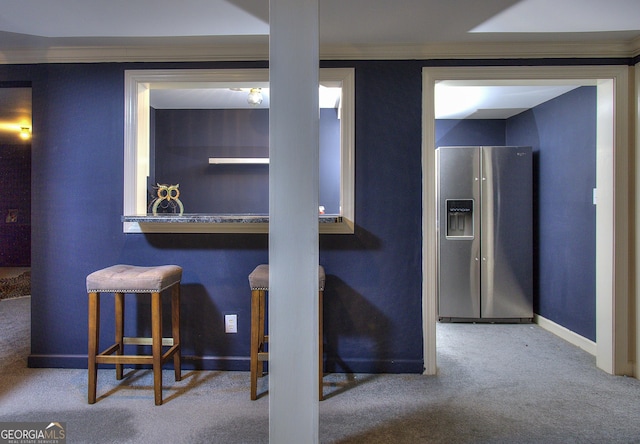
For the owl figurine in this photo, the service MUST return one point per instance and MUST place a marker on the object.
(167, 198)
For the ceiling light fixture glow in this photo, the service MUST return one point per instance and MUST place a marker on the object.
(25, 133)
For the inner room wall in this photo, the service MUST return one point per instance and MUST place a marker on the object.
(15, 205)
(185, 139)
(562, 133)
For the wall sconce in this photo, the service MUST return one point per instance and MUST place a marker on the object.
(25, 133)
(255, 97)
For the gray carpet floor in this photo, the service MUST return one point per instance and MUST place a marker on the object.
(496, 384)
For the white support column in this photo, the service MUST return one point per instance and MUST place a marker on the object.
(293, 221)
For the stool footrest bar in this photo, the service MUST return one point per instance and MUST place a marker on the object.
(124, 359)
(107, 356)
(166, 342)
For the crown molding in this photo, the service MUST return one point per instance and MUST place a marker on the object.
(635, 45)
(485, 50)
(142, 53)
(260, 51)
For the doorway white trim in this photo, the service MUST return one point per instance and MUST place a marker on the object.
(612, 211)
(636, 125)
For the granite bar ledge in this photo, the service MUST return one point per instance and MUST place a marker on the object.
(220, 223)
(215, 219)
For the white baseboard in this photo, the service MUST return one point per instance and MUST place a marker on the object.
(573, 338)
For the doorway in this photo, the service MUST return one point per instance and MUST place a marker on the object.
(612, 153)
(15, 174)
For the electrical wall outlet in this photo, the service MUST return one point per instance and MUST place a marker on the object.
(231, 323)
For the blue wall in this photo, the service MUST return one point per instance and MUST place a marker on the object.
(186, 138)
(15, 198)
(372, 301)
(330, 161)
(471, 132)
(373, 294)
(374, 308)
(562, 133)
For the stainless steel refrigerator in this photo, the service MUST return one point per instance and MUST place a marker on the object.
(485, 217)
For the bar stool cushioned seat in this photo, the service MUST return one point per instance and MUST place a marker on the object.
(259, 283)
(122, 279)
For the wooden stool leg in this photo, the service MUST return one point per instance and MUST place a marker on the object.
(175, 329)
(156, 345)
(320, 348)
(94, 340)
(255, 344)
(262, 337)
(119, 314)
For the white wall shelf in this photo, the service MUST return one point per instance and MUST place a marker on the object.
(238, 160)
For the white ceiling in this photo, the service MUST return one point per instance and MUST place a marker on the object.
(233, 96)
(494, 100)
(37, 25)
(95, 22)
